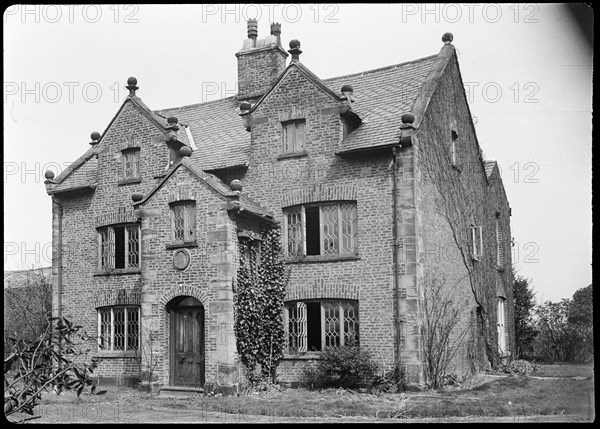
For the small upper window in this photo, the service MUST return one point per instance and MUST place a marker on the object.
(131, 163)
(499, 245)
(454, 148)
(476, 242)
(183, 225)
(293, 136)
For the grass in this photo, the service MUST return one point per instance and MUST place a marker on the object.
(488, 397)
(564, 370)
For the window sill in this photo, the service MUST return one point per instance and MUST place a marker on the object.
(118, 272)
(117, 354)
(292, 155)
(320, 258)
(302, 356)
(181, 245)
(131, 181)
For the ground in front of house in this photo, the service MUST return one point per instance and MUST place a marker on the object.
(558, 393)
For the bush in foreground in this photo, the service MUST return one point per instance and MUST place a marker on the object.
(346, 367)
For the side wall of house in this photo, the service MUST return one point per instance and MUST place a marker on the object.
(452, 198)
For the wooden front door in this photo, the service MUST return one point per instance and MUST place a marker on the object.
(187, 343)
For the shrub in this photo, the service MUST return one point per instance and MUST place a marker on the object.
(521, 367)
(345, 367)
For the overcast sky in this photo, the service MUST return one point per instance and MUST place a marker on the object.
(527, 69)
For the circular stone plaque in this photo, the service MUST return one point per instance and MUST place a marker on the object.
(181, 259)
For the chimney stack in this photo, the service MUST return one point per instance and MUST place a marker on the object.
(260, 62)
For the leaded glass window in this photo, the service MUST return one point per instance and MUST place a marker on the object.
(293, 136)
(313, 325)
(131, 163)
(119, 247)
(183, 221)
(321, 229)
(118, 328)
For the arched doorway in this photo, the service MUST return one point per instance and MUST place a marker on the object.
(186, 342)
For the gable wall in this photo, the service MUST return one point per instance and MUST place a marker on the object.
(81, 284)
(272, 182)
(213, 263)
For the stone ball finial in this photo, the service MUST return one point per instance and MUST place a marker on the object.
(49, 174)
(294, 43)
(245, 106)
(132, 81)
(447, 38)
(137, 197)
(408, 118)
(172, 120)
(185, 151)
(95, 136)
(236, 185)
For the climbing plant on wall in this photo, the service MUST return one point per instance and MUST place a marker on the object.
(260, 291)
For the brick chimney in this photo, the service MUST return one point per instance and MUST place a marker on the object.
(260, 61)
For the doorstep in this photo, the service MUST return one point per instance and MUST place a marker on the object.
(180, 391)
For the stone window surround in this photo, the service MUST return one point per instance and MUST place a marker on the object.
(313, 354)
(119, 271)
(321, 257)
(189, 215)
(126, 179)
(476, 236)
(127, 325)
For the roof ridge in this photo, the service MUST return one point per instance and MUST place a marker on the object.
(380, 68)
(190, 106)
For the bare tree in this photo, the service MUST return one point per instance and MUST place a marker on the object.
(27, 304)
(148, 353)
(442, 334)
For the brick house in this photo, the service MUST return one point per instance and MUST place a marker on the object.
(376, 178)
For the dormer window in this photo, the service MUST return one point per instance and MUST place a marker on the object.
(293, 136)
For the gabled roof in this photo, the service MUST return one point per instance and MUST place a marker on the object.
(83, 177)
(217, 130)
(307, 73)
(245, 202)
(381, 97)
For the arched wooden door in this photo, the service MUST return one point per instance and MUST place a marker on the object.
(186, 342)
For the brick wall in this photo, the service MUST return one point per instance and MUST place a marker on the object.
(209, 277)
(258, 68)
(322, 176)
(81, 282)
